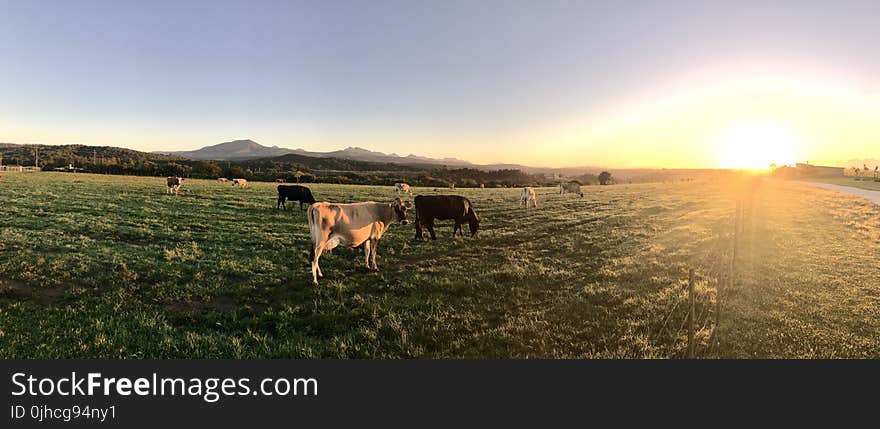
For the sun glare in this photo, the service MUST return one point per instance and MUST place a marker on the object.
(756, 145)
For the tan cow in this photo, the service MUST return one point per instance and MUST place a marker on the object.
(222, 179)
(403, 188)
(174, 184)
(351, 225)
(528, 196)
(240, 182)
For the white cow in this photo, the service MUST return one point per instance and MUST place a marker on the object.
(571, 188)
(403, 188)
(351, 225)
(528, 196)
(240, 182)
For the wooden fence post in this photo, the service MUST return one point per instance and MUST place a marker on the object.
(691, 314)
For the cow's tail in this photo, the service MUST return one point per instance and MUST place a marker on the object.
(314, 229)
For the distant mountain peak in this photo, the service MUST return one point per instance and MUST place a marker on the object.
(248, 149)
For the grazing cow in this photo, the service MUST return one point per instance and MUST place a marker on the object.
(279, 180)
(294, 193)
(239, 182)
(222, 179)
(571, 188)
(443, 207)
(403, 188)
(351, 225)
(528, 196)
(174, 184)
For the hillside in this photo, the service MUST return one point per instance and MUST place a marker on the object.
(289, 167)
(232, 151)
(350, 165)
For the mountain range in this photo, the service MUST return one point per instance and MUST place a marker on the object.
(248, 149)
(239, 150)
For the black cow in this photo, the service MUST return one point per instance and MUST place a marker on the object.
(294, 193)
(443, 207)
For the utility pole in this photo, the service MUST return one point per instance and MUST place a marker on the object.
(36, 156)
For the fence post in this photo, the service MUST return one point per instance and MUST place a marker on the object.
(737, 220)
(691, 314)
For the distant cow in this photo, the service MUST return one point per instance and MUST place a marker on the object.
(570, 188)
(351, 225)
(444, 207)
(279, 180)
(402, 188)
(528, 196)
(240, 182)
(222, 179)
(294, 193)
(452, 186)
(174, 184)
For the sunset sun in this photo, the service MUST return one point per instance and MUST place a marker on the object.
(756, 145)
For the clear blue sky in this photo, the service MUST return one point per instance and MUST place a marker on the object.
(478, 80)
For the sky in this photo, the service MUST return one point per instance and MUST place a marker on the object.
(550, 83)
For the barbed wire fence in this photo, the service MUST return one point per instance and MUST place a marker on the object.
(700, 314)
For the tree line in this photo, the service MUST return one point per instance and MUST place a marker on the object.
(290, 168)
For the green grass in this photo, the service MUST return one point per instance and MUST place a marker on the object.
(864, 183)
(112, 267)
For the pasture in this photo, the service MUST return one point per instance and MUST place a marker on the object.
(95, 266)
(864, 183)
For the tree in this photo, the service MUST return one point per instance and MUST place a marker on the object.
(604, 178)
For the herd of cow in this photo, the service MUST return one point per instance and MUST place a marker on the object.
(174, 183)
(355, 224)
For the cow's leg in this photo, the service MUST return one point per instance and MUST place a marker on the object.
(418, 229)
(430, 225)
(367, 254)
(375, 247)
(455, 227)
(317, 250)
(316, 254)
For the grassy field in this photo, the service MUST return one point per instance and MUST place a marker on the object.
(112, 267)
(867, 183)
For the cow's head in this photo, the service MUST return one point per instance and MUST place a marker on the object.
(399, 207)
(473, 221)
